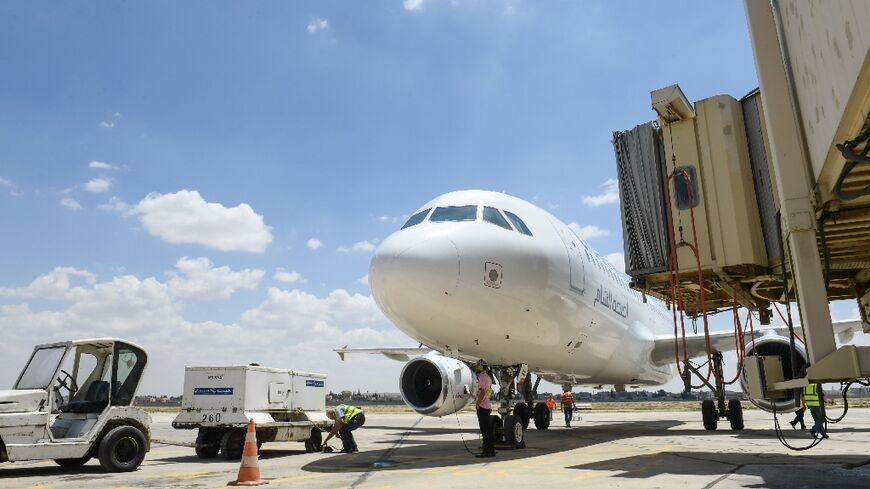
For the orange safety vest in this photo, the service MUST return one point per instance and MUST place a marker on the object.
(567, 399)
(551, 404)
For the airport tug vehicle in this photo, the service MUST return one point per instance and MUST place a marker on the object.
(286, 405)
(73, 402)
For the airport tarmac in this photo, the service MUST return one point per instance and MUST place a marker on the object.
(604, 449)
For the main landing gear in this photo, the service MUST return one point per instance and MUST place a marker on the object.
(513, 418)
(712, 411)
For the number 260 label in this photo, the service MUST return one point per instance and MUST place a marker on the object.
(211, 418)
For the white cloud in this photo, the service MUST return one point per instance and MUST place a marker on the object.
(98, 185)
(197, 278)
(282, 275)
(115, 204)
(55, 284)
(617, 260)
(317, 25)
(360, 246)
(110, 122)
(286, 324)
(101, 165)
(70, 203)
(364, 280)
(610, 194)
(314, 243)
(295, 309)
(393, 219)
(185, 217)
(412, 4)
(13, 189)
(588, 232)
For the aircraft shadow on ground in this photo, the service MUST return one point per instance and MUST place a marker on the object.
(417, 448)
(779, 470)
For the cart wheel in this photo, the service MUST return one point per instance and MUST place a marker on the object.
(232, 444)
(315, 442)
(208, 443)
(122, 449)
(72, 462)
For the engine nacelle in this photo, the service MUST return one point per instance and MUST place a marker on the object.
(436, 385)
(776, 345)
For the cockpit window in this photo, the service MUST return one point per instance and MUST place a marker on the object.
(518, 223)
(491, 214)
(416, 218)
(454, 213)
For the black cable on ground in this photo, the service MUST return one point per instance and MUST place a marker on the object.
(846, 387)
(816, 438)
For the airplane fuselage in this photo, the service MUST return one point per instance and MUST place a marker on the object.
(486, 275)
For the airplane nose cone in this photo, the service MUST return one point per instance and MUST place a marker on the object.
(403, 275)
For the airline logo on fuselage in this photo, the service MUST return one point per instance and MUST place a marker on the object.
(605, 298)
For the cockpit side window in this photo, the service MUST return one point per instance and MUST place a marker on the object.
(518, 223)
(454, 213)
(491, 214)
(417, 218)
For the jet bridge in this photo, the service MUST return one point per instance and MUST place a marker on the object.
(763, 199)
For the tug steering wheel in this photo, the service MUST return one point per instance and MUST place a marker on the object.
(67, 382)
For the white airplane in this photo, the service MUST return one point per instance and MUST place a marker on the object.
(484, 275)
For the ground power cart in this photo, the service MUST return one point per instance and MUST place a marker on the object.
(285, 405)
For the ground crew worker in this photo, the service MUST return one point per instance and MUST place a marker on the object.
(484, 408)
(812, 398)
(568, 405)
(347, 418)
(799, 414)
(551, 406)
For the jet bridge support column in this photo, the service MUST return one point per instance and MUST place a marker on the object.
(793, 178)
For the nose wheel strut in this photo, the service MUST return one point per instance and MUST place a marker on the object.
(712, 411)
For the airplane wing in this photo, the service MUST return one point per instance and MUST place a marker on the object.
(722, 341)
(398, 354)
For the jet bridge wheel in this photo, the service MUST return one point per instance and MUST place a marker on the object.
(709, 414)
(735, 414)
(542, 416)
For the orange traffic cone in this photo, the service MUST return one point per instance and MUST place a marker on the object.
(249, 472)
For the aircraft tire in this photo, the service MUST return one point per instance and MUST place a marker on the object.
(709, 414)
(521, 410)
(735, 414)
(542, 416)
(514, 433)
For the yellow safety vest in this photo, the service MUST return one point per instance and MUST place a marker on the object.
(350, 412)
(811, 395)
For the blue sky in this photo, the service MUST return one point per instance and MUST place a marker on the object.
(166, 165)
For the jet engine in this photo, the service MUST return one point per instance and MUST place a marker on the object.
(776, 345)
(436, 385)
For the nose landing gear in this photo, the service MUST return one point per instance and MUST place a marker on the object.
(712, 411)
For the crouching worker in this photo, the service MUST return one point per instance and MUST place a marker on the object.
(347, 419)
